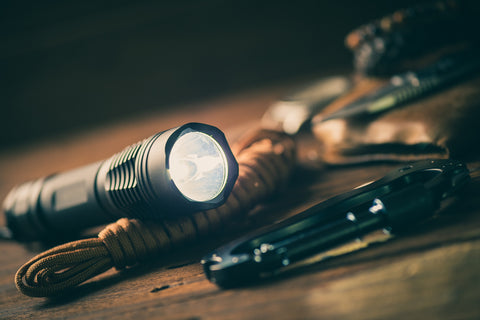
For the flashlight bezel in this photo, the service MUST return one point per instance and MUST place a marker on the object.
(159, 186)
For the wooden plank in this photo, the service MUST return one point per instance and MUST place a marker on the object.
(439, 284)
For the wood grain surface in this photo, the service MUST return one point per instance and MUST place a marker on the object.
(432, 272)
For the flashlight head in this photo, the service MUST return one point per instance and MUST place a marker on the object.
(199, 171)
(176, 172)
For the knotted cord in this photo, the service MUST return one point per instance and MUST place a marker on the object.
(265, 162)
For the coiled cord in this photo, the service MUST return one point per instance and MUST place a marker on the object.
(265, 160)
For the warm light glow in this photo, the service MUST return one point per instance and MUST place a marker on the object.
(198, 166)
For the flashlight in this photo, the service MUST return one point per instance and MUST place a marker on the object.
(172, 173)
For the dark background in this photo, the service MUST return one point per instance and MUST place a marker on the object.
(66, 66)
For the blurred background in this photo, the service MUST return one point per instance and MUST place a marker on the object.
(67, 66)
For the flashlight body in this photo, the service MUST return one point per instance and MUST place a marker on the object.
(133, 183)
(60, 203)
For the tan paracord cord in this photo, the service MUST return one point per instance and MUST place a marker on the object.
(265, 162)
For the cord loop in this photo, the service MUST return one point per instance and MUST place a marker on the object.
(265, 161)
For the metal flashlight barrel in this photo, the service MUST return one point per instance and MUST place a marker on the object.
(134, 183)
(60, 203)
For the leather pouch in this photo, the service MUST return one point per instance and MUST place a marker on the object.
(441, 125)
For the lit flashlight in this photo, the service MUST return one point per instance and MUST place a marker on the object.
(176, 172)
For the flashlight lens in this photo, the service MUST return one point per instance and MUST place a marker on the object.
(198, 166)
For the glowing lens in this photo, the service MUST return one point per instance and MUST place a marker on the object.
(198, 166)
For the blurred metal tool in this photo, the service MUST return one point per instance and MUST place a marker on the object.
(402, 198)
(411, 85)
(292, 112)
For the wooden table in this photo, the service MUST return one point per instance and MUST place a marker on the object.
(430, 273)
